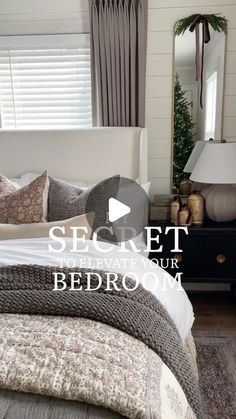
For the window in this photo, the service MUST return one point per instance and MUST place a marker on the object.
(211, 96)
(45, 82)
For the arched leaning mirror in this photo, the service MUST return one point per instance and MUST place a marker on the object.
(199, 67)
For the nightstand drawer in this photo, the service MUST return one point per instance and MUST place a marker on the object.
(204, 257)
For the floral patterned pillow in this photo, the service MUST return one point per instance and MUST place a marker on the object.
(24, 205)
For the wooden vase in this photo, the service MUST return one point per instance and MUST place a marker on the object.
(196, 206)
(175, 207)
(185, 187)
(185, 217)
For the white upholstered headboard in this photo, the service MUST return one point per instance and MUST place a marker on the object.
(87, 155)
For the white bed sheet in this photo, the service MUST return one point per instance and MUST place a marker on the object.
(35, 251)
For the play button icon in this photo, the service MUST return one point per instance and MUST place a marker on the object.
(117, 210)
(121, 208)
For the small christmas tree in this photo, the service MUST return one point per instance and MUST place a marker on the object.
(183, 137)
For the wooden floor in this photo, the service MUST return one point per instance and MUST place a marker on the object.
(214, 311)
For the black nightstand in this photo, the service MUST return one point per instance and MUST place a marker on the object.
(209, 252)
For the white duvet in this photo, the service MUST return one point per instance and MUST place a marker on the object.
(167, 291)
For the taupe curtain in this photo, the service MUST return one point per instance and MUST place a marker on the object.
(118, 61)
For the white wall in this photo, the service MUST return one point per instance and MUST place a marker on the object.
(163, 15)
(68, 16)
(43, 16)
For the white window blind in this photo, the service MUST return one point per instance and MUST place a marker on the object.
(45, 82)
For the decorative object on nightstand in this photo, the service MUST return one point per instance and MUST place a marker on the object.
(217, 165)
(175, 208)
(185, 186)
(185, 216)
(196, 207)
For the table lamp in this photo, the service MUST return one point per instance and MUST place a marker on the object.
(196, 152)
(217, 166)
(194, 156)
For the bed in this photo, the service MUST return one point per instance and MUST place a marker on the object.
(89, 355)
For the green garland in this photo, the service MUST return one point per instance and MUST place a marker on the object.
(218, 23)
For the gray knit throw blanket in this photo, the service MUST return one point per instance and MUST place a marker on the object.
(28, 289)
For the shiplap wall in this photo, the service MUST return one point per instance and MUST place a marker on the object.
(68, 16)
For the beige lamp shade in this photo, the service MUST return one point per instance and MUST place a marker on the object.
(216, 164)
(194, 156)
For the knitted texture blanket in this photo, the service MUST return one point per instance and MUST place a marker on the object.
(26, 289)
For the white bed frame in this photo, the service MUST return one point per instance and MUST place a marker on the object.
(87, 155)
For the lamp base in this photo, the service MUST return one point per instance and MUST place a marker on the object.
(220, 202)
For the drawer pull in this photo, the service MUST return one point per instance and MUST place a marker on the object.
(178, 257)
(221, 258)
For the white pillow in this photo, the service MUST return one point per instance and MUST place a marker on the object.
(37, 230)
(24, 179)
